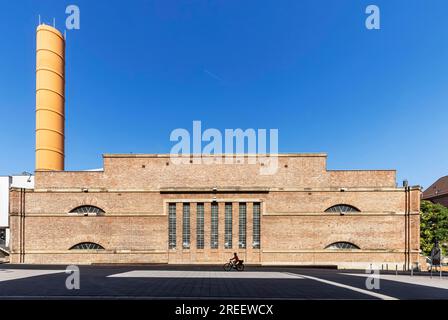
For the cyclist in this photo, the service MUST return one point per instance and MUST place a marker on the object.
(235, 260)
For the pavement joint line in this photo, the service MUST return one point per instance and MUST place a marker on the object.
(16, 274)
(337, 284)
(434, 282)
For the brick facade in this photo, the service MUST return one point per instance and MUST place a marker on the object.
(134, 191)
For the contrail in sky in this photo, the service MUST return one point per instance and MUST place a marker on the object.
(212, 75)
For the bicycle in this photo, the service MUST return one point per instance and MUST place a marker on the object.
(230, 265)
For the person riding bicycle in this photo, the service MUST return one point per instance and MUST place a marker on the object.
(234, 263)
(235, 260)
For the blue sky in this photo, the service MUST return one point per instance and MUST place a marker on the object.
(136, 70)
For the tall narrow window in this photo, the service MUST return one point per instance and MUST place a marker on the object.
(2, 237)
(228, 226)
(242, 226)
(186, 227)
(256, 226)
(172, 225)
(214, 227)
(200, 226)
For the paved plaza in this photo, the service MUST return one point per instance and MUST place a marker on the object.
(211, 282)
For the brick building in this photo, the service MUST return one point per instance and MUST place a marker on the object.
(144, 209)
(147, 209)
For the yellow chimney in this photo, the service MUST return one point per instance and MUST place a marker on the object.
(50, 98)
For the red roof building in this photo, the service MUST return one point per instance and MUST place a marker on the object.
(438, 192)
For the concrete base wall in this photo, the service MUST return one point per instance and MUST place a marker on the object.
(391, 262)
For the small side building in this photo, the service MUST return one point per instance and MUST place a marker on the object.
(6, 183)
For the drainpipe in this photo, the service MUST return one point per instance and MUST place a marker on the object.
(406, 229)
(409, 227)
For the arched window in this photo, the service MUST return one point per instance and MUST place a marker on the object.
(87, 210)
(342, 208)
(87, 246)
(342, 246)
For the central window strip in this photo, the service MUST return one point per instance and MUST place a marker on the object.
(200, 226)
(172, 225)
(214, 227)
(228, 226)
(186, 227)
(242, 226)
(256, 226)
(214, 234)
